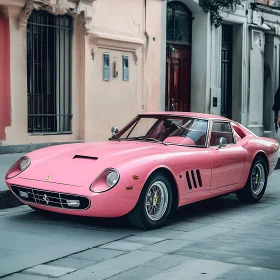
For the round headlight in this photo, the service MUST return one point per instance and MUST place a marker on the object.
(18, 167)
(112, 178)
(24, 163)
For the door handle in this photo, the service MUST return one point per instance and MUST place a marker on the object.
(172, 104)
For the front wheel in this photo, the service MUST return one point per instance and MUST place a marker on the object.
(154, 204)
(256, 183)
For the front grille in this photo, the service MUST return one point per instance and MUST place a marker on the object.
(52, 199)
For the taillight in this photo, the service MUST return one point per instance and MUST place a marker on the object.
(18, 167)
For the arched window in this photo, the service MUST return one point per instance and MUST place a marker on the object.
(179, 23)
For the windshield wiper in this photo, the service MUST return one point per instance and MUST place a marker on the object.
(149, 139)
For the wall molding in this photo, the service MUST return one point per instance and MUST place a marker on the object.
(61, 7)
(114, 42)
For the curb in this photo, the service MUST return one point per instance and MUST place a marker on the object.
(8, 200)
(278, 164)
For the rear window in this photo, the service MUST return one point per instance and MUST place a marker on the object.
(239, 131)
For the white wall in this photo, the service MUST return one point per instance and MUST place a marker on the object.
(200, 70)
(255, 112)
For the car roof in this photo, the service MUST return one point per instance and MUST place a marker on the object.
(188, 114)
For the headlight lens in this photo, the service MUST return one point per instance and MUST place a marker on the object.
(105, 181)
(25, 162)
(112, 178)
(18, 167)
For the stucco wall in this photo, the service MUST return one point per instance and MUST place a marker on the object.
(255, 114)
(5, 99)
(17, 133)
(117, 28)
(121, 32)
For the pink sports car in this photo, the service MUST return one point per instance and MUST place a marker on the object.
(155, 164)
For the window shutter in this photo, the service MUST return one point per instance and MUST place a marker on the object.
(125, 68)
(106, 67)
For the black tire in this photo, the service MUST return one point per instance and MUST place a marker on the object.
(247, 194)
(139, 216)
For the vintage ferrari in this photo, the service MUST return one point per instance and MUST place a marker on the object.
(155, 164)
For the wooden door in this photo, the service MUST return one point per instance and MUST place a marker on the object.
(178, 78)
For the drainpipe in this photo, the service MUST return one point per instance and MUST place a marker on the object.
(146, 33)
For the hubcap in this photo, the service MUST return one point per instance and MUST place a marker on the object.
(258, 179)
(156, 200)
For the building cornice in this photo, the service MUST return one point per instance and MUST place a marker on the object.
(58, 7)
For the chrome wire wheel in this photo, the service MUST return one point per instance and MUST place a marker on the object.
(258, 179)
(156, 200)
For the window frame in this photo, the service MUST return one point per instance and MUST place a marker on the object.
(134, 122)
(210, 132)
(106, 55)
(61, 98)
(171, 8)
(125, 57)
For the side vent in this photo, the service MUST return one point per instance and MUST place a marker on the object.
(194, 180)
(189, 180)
(199, 177)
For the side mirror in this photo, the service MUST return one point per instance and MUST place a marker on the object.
(114, 130)
(222, 142)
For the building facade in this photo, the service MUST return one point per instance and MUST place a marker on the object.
(77, 67)
(232, 70)
(72, 69)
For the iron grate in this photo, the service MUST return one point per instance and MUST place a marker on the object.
(49, 198)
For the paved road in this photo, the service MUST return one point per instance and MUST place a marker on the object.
(6, 161)
(217, 239)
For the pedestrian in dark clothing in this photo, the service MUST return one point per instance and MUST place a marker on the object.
(276, 109)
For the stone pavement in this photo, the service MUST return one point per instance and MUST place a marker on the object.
(216, 239)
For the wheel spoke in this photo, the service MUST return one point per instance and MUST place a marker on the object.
(156, 200)
(258, 179)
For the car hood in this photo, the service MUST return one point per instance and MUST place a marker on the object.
(80, 164)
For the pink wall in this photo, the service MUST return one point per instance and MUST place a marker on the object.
(5, 98)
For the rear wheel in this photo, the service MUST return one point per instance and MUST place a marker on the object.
(256, 184)
(154, 204)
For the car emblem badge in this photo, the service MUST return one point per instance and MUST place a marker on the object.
(45, 198)
(48, 178)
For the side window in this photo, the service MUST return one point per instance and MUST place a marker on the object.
(221, 129)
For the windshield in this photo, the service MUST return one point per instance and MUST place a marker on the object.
(169, 130)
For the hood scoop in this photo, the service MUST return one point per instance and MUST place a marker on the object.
(85, 157)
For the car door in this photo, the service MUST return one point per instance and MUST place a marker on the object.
(228, 161)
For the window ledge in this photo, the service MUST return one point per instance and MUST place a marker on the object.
(48, 133)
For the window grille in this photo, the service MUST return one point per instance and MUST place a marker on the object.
(49, 69)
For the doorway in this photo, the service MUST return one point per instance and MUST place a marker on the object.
(226, 71)
(267, 104)
(178, 57)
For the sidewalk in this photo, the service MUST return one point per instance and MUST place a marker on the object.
(7, 199)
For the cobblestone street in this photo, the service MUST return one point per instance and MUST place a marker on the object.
(216, 239)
